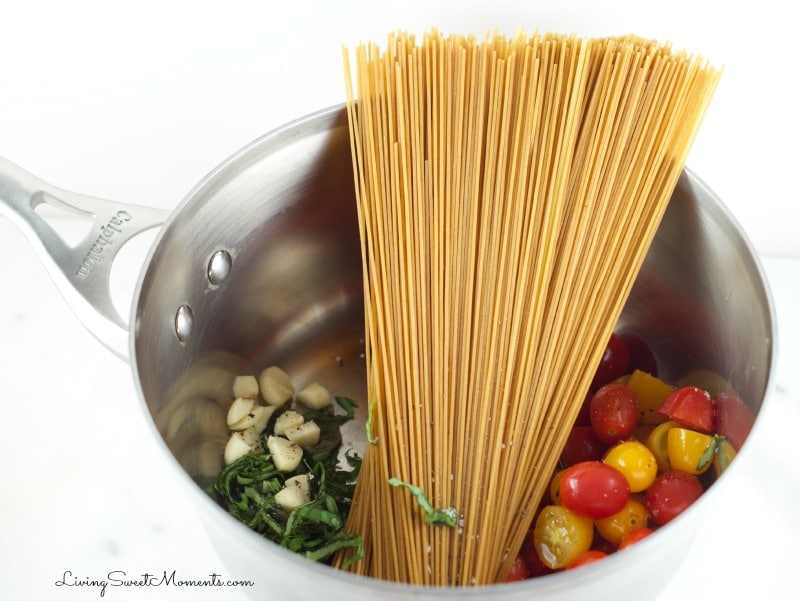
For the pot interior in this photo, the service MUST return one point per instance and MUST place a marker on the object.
(284, 212)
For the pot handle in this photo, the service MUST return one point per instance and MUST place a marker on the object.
(81, 273)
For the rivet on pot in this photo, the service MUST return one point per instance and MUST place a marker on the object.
(184, 323)
(219, 267)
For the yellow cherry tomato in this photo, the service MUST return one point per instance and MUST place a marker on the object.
(636, 462)
(650, 392)
(657, 443)
(631, 517)
(560, 536)
(688, 450)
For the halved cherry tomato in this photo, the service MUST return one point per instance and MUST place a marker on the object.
(690, 451)
(650, 393)
(614, 412)
(613, 363)
(732, 418)
(635, 461)
(582, 445)
(519, 570)
(593, 489)
(631, 517)
(691, 407)
(588, 557)
(670, 495)
(634, 536)
(560, 536)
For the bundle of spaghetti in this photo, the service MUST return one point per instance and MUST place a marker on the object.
(507, 192)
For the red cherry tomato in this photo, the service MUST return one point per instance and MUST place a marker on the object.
(582, 445)
(690, 406)
(670, 495)
(519, 570)
(588, 557)
(593, 489)
(613, 363)
(634, 537)
(732, 418)
(614, 412)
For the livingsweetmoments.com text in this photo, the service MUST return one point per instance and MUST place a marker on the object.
(119, 578)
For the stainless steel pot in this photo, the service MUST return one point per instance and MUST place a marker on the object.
(260, 265)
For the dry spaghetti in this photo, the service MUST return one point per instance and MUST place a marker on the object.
(507, 192)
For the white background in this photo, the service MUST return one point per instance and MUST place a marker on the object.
(137, 101)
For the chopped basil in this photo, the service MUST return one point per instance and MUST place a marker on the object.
(444, 517)
(247, 487)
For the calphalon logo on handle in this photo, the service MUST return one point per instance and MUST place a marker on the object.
(105, 239)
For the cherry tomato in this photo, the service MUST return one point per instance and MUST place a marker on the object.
(613, 363)
(650, 393)
(582, 445)
(631, 517)
(519, 570)
(670, 495)
(689, 450)
(560, 536)
(692, 407)
(593, 489)
(614, 412)
(732, 418)
(634, 536)
(586, 558)
(635, 461)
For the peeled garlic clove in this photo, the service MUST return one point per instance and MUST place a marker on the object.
(315, 396)
(260, 416)
(286, 455)
(306, 434)
(276, 386)
(295, 492)
(288, 421)
(252, 438)
(245, 387)
(239, 409)
(235, 448)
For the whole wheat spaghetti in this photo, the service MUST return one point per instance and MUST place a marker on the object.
(508, 190)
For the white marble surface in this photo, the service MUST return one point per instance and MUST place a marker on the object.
(137, 101)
